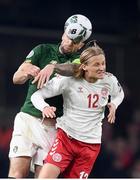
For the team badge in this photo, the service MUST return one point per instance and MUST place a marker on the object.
(57, 157)
(104, 91)
(104, 97)
(30, 54)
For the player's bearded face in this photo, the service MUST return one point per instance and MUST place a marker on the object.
(67, 46)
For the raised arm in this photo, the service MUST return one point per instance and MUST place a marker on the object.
(38, 101)
(62, 69)
(54, 87)
(65, 69)
(25, 72)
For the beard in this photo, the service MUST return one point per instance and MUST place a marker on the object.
(64, 51)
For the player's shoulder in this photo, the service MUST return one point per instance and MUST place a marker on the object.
(46, 46)
(59, 77)
(61, 80)
(110, 77)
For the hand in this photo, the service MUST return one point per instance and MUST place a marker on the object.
(44, 75)
(32, 70)
(112, 112)
(49, 112)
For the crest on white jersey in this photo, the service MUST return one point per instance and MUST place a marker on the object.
(104, 91)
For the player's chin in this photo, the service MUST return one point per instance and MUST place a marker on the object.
(66, 50)
(100, 76)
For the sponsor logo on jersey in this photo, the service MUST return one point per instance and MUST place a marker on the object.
(57, 157)
(80, 90)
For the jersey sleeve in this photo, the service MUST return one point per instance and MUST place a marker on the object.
(34, 55)
(54, 87)
(117, 93)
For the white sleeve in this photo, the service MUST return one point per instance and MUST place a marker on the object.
(53, 88)
(117, 93)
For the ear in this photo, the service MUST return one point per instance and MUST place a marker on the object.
(83, 67)
(81, 44)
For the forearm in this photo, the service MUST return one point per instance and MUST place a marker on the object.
(38, 101)
(65, 69)
(20, 77)
(25, 72)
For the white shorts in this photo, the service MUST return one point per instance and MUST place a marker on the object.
(31, 138)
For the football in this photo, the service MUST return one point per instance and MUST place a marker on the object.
(78, 28)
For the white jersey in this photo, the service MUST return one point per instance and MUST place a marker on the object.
(84, 104)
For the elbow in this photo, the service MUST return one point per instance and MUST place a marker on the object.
(17, 81)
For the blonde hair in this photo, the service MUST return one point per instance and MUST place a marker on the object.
(89, 52)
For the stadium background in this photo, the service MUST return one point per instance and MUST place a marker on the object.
(116, 27)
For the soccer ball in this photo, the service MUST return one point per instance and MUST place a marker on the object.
(78, 28)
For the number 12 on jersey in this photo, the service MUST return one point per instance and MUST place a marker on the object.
(92, 100)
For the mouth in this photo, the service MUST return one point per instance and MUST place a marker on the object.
(101, 73)
(65, 49)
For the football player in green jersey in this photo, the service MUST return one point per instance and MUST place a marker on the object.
(33, 134)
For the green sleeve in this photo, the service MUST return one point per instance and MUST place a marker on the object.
(34, 55)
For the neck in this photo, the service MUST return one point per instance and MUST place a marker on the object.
(90, 80)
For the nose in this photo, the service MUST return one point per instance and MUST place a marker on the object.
(102, 67)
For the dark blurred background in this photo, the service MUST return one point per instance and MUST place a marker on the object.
(116, 27)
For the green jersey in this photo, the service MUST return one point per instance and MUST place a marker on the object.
(40, 56)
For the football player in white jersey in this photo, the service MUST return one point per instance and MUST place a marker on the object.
(79, 130)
